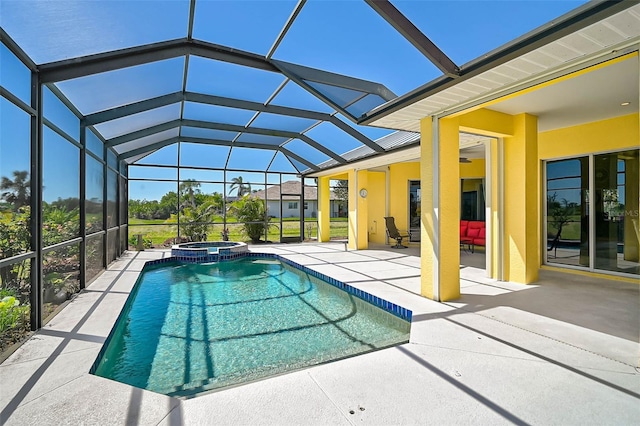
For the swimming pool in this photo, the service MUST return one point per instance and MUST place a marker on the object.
(191, 328)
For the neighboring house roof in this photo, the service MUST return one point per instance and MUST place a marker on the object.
(290, 187)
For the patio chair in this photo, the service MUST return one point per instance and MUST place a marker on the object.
(393, 232)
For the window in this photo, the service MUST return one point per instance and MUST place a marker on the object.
(294, 206)
(306, 205)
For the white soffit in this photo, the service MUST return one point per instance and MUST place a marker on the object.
(600, 39)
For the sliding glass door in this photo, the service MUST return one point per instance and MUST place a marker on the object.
(414, 209)
(616, 211)
(592, 212)
(568, 211)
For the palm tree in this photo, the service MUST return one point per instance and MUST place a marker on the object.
(195, 221)
(241, 187)
(188, 190)
(17, 191)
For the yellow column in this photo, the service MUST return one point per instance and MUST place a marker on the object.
(358, 211)
(521, 189)
(324, 209)
(440, 210)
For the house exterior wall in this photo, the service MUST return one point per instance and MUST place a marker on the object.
(377, 203)
(616, 134)
(273, 208)
(399, 176)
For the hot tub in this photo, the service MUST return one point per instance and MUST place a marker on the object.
(210, 251)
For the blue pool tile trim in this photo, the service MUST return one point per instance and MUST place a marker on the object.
(392, 308)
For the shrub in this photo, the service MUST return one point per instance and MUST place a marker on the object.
(253, 215)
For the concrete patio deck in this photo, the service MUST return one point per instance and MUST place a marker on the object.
(562, 351)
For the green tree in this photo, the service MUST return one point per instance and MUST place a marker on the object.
(169, 202)
(240, 186)
(253, 215)
(16, 191)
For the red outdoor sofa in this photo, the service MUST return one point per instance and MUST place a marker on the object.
(472, 233)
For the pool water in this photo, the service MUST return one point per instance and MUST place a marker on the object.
(190, 328)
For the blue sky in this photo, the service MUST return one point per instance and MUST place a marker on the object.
(345, 37)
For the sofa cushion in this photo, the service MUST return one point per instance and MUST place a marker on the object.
(476, 224)
(473, 232)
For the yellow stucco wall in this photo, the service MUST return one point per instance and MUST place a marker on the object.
(376, 204)
(399, 176)
(475, 169)
(614, 134)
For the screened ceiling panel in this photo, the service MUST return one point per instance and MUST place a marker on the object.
(365, 46)
(139, 121)
(202, 155)
(262, 139)
(14, 75)
(305, 151)
(524, 16)
(333, 138)
(365, 104)
(124, 86)
(282, 122)
(372, 133)
(340, 95)
(55, 30)
(250, 159)
(281, 163)
(338, 90)
(295, 96)
(199, 132)
(146, 141)
(230, 80)
(215, 113)
(165, 156)
(211, 23)
(300, 166)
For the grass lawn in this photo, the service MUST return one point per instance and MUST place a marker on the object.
(159, 230)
